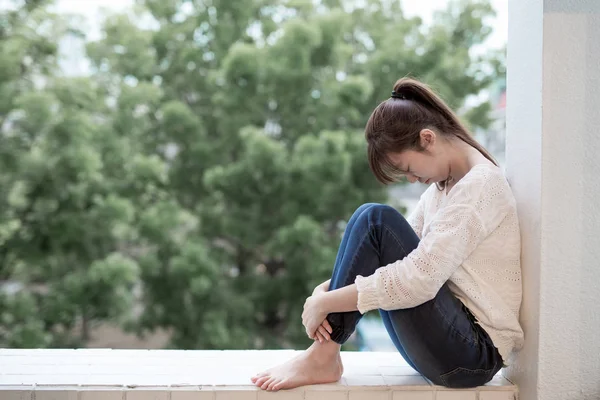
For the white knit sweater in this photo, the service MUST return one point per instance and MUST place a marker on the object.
(469, 237)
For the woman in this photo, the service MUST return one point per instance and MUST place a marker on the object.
(447, 282)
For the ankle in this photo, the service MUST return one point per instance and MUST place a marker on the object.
(324, 351)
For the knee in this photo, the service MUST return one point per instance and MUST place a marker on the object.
(382, 213)
(361, 210)
(365, 207)
(381, 209)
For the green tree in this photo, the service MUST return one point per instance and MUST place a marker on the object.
(71, 186)
(214, 156)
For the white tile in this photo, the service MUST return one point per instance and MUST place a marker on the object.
(325, 395)
(340, 385)
(456, 395)
(17, 380)
(398, 370)
(90, 393)
(40, 379)
(224, 378)
(293, 394)
(48, 393)
(369, 395)
(236, 392)
(146, 394)
(16, 393)
(191, 393)
(362, 370)
(405, 380)
(497, 395)
(390, 359)
(412, 395)
(365, 380)
(499, 382)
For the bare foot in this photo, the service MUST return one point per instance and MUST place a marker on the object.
(320, 363)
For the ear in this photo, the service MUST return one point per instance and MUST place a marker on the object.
(428, 138)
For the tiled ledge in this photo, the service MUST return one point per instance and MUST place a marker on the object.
(88, 374)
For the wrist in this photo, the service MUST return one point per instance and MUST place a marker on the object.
(326, 302)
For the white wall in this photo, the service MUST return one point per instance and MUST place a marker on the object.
(553, 163)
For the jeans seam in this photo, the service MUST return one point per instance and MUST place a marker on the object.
(358, 248)
(349, 270)
(391, 232)
(451, 325)
(443, 377)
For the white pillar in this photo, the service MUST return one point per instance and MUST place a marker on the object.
(553, 164)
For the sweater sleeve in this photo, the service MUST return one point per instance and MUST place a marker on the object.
(417, 218)
(456, 230)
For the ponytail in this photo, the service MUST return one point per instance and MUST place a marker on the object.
(396, 123)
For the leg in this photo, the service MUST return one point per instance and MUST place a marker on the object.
(379, 235)
(349, 227)
(385, 317)
(321, 363)
(439, 338)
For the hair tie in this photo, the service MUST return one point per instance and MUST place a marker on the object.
(398, 95)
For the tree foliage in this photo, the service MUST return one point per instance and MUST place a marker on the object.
(199, 178)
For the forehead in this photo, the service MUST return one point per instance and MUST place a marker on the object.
(404, 157)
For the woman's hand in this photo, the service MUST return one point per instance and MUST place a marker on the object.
(322, 287)
(323, 332)
(314, 318)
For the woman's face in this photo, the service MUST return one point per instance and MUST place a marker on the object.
(428, 166)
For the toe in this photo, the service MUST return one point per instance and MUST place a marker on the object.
(267, 383)
(259, 382)
(273, 383)
(260, 375)
(279, 384)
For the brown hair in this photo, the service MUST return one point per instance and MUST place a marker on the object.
(396, 123)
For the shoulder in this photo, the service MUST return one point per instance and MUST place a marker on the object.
(430, 192)
(484, 185)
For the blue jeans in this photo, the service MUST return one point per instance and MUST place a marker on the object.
(439, 338)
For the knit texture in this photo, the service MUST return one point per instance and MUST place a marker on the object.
(469, 237)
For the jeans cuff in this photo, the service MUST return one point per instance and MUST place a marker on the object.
(340, 336)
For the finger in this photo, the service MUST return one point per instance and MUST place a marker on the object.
(324, 333)
(318, 337)
(327, 326)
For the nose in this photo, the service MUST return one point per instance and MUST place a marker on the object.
(411, 178)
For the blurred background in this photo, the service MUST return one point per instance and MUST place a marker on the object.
(178, 173)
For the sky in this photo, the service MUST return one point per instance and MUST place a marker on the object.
(423, 8)
(92, 10)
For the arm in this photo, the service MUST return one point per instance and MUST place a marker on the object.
(417, 218)
(474, 209)
(322, 287)
(410, 281)
(341, 300)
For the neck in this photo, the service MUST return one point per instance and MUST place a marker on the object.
(462, 158)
